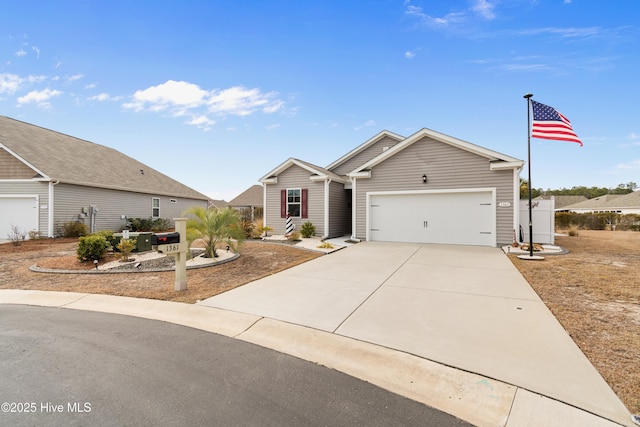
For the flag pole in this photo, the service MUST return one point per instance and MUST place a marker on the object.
(528, 98)
(530, 256)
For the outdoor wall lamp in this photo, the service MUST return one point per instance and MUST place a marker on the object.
(424, 179)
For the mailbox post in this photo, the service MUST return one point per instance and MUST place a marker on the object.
(175, 244)
(181, 255)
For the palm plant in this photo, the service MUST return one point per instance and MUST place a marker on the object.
(214, 226)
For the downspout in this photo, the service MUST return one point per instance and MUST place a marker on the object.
(354, 197)
(50, 214)
(327, 182)
(264, 205)
(516, 207)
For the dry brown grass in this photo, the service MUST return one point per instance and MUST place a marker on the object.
(594, 292)
(257, 260)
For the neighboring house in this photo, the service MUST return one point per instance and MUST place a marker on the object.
(562, 201)
(617, 203)
(48, 178)
(249, 202)
(218, 204)
(428, 187)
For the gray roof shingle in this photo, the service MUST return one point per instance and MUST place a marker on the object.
(75, 161)
(252, 196)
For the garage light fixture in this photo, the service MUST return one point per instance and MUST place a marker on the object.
(424, 179)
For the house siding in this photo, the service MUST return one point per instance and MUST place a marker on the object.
(12, 168)
(112, 204)
(36, 188)
(446, 167)
(364, 156)
(295, 177)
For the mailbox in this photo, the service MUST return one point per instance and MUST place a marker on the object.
(164, 238)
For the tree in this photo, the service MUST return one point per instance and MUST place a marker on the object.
(524, 190)
(214, 226)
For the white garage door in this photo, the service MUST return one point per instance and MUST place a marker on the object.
(462, 218)
(21, 212)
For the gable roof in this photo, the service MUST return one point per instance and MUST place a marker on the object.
(220, 204)
(609, 201)
(364, 146)
(562, 201)
(320, 172)
(252, 196)
(497, 160)
(58, 157)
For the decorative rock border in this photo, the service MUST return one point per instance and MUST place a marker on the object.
(37, 269)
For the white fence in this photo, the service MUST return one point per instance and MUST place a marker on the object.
(543, 220)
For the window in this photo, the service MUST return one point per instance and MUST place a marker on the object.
(293, 202)
(155, 207)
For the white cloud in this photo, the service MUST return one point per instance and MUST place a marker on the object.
(368, 123)
(449, 19)
(409, 54)
(75, 77)
(100, 97)
(40, 98)
(21, 52)
(203, 122)
(273, 126)
(184, 99)
(484, 9)
(240, 101)
(9, 83)
(36, 50)
(166, 95)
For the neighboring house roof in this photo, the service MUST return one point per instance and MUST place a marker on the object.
(320, 172)
(364, 146)
(606, 201)
(252, 196)
(220, 204)
(562, 201)
(497, 160)
(59, 157)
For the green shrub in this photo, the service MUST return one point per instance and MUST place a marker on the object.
(72, 229)
(126, 246)
(107, 234)
(149, 224)
(92, 247)
(308, 229)
(597, 221)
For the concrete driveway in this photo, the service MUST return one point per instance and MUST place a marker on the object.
(463, 307)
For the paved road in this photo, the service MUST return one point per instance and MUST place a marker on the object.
(71, 367)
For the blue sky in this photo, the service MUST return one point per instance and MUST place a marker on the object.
(215, 94)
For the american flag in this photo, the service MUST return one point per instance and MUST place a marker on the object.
(549, 123)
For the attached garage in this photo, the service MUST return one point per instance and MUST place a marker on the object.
(18, 211)
(460, 217)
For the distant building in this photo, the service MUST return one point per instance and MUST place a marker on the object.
(249, 202)
(48, 178)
